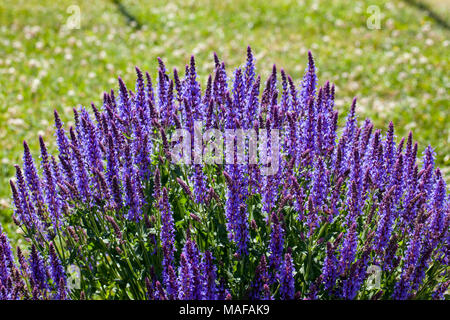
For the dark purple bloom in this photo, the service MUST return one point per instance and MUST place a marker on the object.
(167, 234)
(112, 174)
(308, 132)
(385, 224)
(81, 175)
(249, 72)
(125, 104)
(267, 294)
(260, 280)
(38, 270)
(348, 250)
(349, 133)
(438, 293)
(157, 185)
(199, 183)
(438, 205)
(209, 271)
(389, 151)
(6, 250)
(193, 91)
(140, 96)
(21, 199)
(89, 141)
(150, 95)
(49, 184)
(172, 284)
(397, 179)
(131, 201)
(184, 279)
(57, 272)
(64, 149)
(309, 82)
(330, 270)
(192, 255)
(160, 294)
(286, 276)
(238, 97)
(236, 211)
(5, 274)
(33, 181)
(319, 183)
(276, 243)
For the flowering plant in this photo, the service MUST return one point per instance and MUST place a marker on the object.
(114, 216)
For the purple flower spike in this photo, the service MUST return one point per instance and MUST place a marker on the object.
(286, 276)
(320, 183)
(57, 272)
(125, 106)
(33, 181)
(131, 201)
(309, 82)
(330, 269)
(184, 279)
(81, 175)
(384, 228)
(389, 150)
(38, 270)
(64, 149)
(209, 269)
(249, 74)
(51, 196)
(172, 284)
(348, 251)
(276, 243)
(167, 234)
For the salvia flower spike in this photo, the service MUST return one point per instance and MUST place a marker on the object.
(339, 207)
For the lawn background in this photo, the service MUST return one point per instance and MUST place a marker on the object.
(399, 72)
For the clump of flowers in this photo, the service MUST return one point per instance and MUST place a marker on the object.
(353, 215)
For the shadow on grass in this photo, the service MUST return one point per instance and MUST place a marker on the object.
(430, 11)
(131, 19)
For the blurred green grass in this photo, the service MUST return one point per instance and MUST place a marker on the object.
(399, 72)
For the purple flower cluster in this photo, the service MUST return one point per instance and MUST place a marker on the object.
(33, 278)
(196, 278)
(103, 161)
(167, 235)
(363, 183)
(286, 276)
